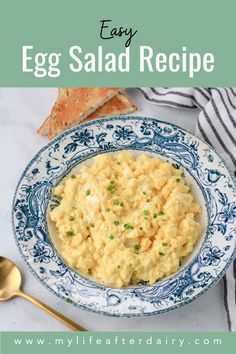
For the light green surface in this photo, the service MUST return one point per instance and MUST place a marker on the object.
(167, 26)
(110, 342)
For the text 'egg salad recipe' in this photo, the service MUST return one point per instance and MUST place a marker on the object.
(126, 219)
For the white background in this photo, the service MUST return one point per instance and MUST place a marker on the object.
(21, 112)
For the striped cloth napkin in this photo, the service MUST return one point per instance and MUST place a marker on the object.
(217, 126)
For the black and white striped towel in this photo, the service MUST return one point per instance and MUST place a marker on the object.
(217, 126)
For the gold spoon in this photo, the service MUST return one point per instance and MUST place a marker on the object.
(10, 281)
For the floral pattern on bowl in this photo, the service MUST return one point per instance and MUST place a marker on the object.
(60, 156)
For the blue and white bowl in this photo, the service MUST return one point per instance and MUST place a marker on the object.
(212, 186)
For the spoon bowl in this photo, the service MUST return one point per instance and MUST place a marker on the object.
(10, 282)
(10, 279)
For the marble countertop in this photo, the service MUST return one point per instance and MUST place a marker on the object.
(21, 112)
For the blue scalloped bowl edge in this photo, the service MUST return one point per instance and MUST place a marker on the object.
(100, 312)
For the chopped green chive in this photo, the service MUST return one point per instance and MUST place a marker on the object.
(146, 212)
(91, 225)
(154, 215)
(71, 218)
(178, 180)
(161, 213)
(73, 176)
(107, 210)
(144, 193)
(117, 202)
(136, 248)
(88, 192)
(111, 186)
(118, 267)
(128, 227)
(111, 237)
(140, 228)
(161, 253)
(116, 222)
(164, 244)
(148, 200)
(145, 218)
(70, 233)
(69, 301)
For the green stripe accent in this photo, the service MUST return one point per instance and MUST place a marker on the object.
(117, 342)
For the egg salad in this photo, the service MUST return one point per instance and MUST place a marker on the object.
(126, 219)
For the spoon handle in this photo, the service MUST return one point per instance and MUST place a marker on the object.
(66, 321)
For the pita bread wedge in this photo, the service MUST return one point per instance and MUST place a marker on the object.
(75, 104)
(119, 104)
(44, 128)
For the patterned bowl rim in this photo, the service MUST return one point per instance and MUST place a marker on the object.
(94, 310)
